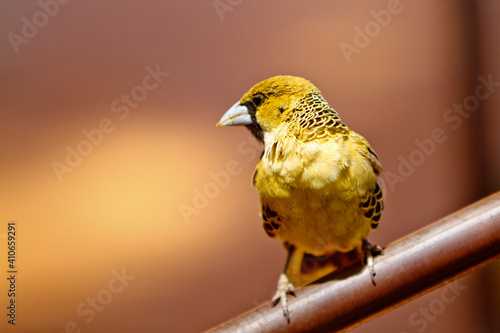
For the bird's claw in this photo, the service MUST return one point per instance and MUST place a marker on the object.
(280, 296)
(369, 252)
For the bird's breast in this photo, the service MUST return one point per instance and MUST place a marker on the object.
(291, 163)
(315, 188)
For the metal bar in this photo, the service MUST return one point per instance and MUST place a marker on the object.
(410, 267)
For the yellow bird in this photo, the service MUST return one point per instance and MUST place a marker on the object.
(317, 180)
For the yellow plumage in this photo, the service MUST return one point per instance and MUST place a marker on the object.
(317, 178)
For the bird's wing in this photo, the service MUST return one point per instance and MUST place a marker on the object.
(373, 204)
(364, 148)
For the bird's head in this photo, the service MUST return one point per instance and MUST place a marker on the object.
(267, 104)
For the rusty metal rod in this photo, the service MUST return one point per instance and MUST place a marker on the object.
(410, 267)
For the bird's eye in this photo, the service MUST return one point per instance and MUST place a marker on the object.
(257, 100)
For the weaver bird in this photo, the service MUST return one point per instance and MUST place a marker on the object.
(317, 179)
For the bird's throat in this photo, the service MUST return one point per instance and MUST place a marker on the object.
(256, 131)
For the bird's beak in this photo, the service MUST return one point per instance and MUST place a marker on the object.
(237, 115)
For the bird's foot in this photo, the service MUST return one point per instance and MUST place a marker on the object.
(369, 252)
(284, 288)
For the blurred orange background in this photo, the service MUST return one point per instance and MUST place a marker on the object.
(150, 224)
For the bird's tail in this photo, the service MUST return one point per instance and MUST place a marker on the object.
(316, 267)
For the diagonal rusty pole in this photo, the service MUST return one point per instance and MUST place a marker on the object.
(410, 267)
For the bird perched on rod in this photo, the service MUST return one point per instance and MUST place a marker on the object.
(316, 177)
